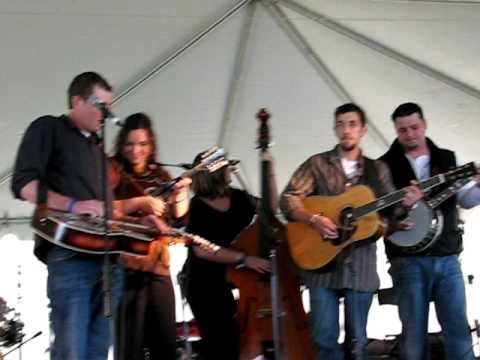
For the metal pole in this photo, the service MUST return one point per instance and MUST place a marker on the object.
(237, 73)
(304, 47)
(5, 176)
(174, 56)
(382, 49)
(19, 220)
(180, 50)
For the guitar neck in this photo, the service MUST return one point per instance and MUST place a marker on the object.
(396, 197)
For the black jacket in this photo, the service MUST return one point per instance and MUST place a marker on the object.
(441, 160)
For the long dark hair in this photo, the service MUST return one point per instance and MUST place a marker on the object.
(135, 122)
(209, 185)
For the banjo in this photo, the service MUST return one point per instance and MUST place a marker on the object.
(428, 221)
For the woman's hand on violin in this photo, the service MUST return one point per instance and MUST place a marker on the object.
(152, 205)
(258, 264)
(181, 186)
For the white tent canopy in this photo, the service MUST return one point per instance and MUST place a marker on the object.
(202, 69)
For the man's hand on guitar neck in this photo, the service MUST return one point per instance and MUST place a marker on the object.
(412, 194)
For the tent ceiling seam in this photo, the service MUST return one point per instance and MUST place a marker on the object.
(230, 102)
(382, 49)
(312, 57)
(180, 51)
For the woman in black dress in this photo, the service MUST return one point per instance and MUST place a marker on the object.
(218, 213)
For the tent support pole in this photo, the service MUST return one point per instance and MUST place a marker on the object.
(223, 137)
(382, 49)
(304, 47)
(176, 54)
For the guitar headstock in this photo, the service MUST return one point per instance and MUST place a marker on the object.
(191, 239)
(263, 132)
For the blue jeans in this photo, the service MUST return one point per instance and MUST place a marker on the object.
(324, 311)
(81, 330)
(419, 280)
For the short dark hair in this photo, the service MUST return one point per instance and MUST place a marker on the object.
(350, 107)
(83, 84)
(407, 109)
(134, 122)
(207, 184)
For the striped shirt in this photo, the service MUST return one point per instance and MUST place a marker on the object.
(322, 174)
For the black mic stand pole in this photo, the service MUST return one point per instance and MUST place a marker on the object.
(107, 214)
(23, 343)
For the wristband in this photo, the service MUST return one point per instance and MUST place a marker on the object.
(71, 205)
(242, 259)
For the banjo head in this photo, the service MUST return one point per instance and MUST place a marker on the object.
(421, 215)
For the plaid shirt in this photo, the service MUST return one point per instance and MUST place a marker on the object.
(322, 174)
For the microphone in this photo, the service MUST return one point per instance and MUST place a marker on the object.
(107, 113)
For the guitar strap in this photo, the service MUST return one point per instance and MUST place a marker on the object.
(370, 176)
(41, 246)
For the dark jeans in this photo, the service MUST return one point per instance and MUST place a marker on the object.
(324, 311)
(419, 280)
(147, 318)
(81, 330)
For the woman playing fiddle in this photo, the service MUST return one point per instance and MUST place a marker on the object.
(147, 315)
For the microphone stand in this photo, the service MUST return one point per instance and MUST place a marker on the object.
(107, 214)
(23, 343)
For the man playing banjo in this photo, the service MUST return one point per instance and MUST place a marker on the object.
(433, 273)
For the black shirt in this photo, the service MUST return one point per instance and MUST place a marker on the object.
(219, 227)
(55, 152)
(54, 149)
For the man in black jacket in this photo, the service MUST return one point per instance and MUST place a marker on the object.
(433, 274)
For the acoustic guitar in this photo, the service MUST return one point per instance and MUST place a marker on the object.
(355, 214)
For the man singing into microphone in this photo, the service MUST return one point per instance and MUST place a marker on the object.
(58, 163)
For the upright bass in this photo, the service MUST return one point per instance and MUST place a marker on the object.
(270, 312)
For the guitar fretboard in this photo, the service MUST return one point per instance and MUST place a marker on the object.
(395, 197)
(385, 201)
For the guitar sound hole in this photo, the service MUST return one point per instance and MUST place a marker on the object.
(346, 226)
